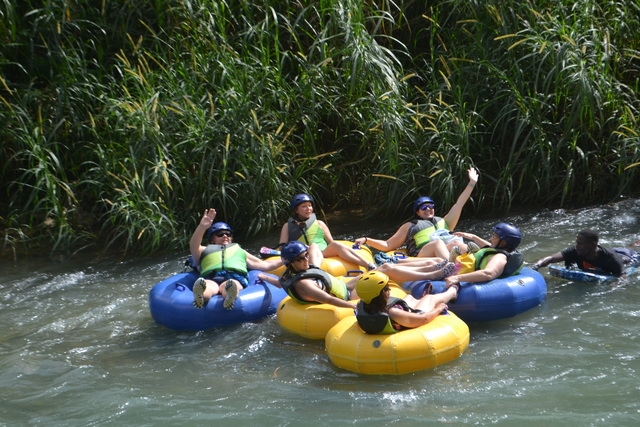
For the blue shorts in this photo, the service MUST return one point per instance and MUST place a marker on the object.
(224, 275)
(629, 256)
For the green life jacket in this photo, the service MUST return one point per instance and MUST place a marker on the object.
(223, 257)
(381, 323)
(307, 232)
(331, 285)
(420, 232)
(515, 260)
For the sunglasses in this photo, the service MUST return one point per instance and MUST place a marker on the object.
(223, 234)
(427, 206)
(301, 257)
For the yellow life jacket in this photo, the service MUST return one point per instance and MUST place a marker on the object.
(307, 232)
(515, 260)
(420, 232)
(223, 257)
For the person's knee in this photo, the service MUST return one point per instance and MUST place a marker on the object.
(426, 251)
(385, 268)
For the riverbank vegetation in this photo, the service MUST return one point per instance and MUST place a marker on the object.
(123, 121)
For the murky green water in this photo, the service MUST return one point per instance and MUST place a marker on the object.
(78, 347)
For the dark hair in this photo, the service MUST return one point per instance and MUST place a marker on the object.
(377, 305)
(589, 235)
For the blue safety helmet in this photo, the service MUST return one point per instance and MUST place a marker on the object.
(292, 250)
(509, 233)
(218, 226)
(421, 201)
(300, 198)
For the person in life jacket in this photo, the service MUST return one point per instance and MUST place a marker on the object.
(497, 257)
(380, 313)
(304, 227)
(420, 234)
(588, 255)
(308, 284)
(223, 265)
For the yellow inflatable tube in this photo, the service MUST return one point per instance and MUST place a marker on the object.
(334, 265)
(311, 321)
(440, 341)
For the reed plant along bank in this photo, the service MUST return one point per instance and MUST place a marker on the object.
(124, 120)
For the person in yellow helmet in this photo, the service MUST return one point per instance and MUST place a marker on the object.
(380, 313)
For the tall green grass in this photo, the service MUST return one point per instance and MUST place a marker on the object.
(125, 120)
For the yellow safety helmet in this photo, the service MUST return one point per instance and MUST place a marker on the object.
(370, 284)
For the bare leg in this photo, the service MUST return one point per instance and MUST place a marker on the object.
(428, 302)
(401, 274)
(435, 248)
(419, 262)
(339, 250)
(315, 255)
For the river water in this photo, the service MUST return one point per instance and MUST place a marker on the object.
(79, 347)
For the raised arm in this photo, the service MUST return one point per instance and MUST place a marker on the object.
(453, 216)
(195, 244)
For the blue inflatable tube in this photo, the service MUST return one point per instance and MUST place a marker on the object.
(577, 275)
(494, 300)
(171, 304)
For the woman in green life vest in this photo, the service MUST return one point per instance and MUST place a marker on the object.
(304, 227)
(497, 257)
(417, 234)
(223, 265)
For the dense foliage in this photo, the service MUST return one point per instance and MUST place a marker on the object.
(124, 120)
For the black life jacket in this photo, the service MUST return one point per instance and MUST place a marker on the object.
(312, 273)
(380, 323)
